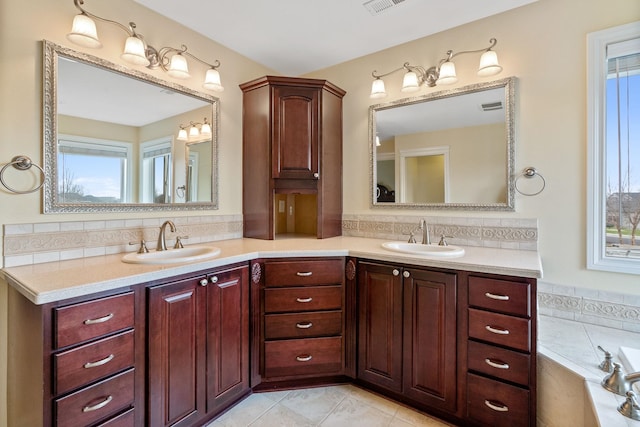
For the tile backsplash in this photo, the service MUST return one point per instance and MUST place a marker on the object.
(26, 244)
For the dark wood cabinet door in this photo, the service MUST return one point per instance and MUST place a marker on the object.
(227, 337)
(295, 132)
(175, 353)
(380, 325)
(430, 338)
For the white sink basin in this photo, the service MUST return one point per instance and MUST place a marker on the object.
(449, 251)
(173, 256)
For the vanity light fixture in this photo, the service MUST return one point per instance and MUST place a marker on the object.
(137, 52)
(442, 74)
(196, 129)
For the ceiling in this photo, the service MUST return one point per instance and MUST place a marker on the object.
(295, 37)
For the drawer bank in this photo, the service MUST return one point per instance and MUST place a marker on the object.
(99, 342)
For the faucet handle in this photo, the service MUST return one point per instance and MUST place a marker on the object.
(606, 365)
(143, 246)
(443, 241)
(179, 244)
(630, 408)
(412, 237)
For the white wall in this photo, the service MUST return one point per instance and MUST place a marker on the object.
(544, 45)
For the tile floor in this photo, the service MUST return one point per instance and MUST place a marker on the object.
(339, 405)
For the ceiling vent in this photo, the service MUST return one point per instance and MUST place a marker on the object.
(377, 6)
(491, 106)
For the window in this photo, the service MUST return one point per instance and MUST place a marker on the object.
(156, 171)
(93, 170)
(613, 198)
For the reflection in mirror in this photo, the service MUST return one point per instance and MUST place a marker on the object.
(111, 138)
(198, 156)
(446, 150)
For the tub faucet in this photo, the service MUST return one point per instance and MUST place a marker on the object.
(619, 383)
(162, 242)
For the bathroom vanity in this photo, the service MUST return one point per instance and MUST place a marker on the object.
(177, 345)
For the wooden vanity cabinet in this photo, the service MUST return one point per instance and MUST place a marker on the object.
(198, 346)
(292, 144)
(407, 333)
(499, 334)
(300, 333)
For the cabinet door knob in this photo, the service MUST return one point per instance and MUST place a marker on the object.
(406, 274)
(316, 175)
(395, 272)
(203, 282)
(213, 279)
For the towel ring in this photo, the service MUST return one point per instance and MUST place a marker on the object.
(180, 191)
(22, 163)
(530, 172)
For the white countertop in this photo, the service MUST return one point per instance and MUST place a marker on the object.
(55, 281)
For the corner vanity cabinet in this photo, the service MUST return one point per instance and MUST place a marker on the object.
(292, 145)
(198, 346)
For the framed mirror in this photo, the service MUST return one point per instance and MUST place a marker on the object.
(445, 150)
(112, 140)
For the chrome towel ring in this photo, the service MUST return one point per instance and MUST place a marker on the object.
(22, 163)
(530, 172)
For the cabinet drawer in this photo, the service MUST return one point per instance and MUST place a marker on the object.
(126, 419)
(303, 273)
(302, 299)
(300, 325)
(80, 322)
(508, 331)
(496, 404)
(303, 357)
(499, 362)
(82, 365)
(95, 403)
(500, 295)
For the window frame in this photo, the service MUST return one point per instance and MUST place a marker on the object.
(597, 43)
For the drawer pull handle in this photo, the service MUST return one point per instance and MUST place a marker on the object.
(498, 365)
(304, 325)
(100, 405)
(496, 407)
(304, 358)
(304, 299)
(496, 330)
(104, 361)
(99, 319)
(304, 274)
(497, 297)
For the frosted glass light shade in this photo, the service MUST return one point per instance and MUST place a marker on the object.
(410, 82)
(212, 80)
(83, 32)
(182, 135)
(447, 74)
(178, 67)
(134, 52)
(194, 132)
(205, 129)
(489, 64)
(377, 89)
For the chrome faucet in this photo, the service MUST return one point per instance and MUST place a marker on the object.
(162, 242)
(619, 383)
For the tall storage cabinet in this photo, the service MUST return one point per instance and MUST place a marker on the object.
(292, 145)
